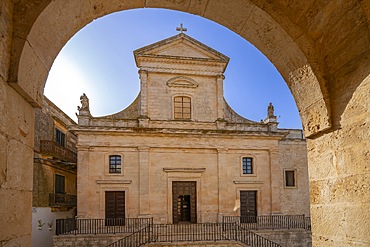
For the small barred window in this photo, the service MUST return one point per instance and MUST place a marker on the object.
(115, 164)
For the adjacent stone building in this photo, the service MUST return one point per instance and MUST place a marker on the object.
(54, 172)
(179, 153)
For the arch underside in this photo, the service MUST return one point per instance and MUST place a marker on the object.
(267, 26)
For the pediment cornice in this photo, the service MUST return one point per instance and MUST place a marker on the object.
(153, 49)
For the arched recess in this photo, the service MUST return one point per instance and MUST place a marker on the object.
(283, 43)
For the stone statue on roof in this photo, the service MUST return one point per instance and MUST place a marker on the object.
(270, 111)
(84, 103)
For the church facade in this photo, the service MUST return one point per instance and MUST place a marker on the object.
(179, 153)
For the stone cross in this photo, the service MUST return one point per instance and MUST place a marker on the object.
(181, 29)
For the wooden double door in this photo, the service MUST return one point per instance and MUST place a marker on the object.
(248, 206)
(115, 208)
(184, 202)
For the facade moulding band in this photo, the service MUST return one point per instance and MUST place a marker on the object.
(103, 181)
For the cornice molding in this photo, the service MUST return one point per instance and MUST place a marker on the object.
(110, 181)
(247, 182)
(183, 170)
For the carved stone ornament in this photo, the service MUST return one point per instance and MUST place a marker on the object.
(182, 81)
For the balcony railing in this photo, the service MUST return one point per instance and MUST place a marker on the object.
(54, 149)
(60, 200)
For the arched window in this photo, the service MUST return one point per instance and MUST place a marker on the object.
(182, 107)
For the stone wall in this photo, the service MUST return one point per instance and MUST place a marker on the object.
(339, 167)
(16, 148)
(103, 240)
(198, 244)
(288, 238)
(16, 161)
(86, 240)
(293, 156)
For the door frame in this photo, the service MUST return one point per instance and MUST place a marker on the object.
(259, 195)
(105, 186)
(174, 199)
(115, 221)
(248, 218)
(195, 178)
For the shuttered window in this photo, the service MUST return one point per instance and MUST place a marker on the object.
(182, 107)
(60, 137)
(59, 184)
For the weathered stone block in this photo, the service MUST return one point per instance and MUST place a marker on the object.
(15, 217)
(220, 11)
(6, 28)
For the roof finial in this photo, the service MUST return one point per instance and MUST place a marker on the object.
(181, 29)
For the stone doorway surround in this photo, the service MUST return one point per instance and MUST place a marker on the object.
(184, 175)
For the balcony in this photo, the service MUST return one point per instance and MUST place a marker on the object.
(62, 200)
(54, 149)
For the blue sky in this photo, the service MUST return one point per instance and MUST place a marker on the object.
(99, 61)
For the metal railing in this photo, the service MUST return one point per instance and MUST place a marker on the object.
(56, 199)
(58, 151)
(188, 232)
(250, 238)
(137, 238)
(74, 226)
(270, 222)
(307, 222)
(193, 233)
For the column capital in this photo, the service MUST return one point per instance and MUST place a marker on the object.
(222, 150)
(274, 151)
(143, 72)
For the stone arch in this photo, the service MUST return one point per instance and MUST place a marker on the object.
(290, 51)
(322, 49)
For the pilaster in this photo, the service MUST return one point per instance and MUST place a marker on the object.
(143, 181)
(276, 177)
(221, 180)
(144, 92)
(220, 96)
(83, 182)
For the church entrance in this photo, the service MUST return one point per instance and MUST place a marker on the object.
(184, 201)
(248, 206)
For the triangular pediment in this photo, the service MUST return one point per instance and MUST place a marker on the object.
(181, 46)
